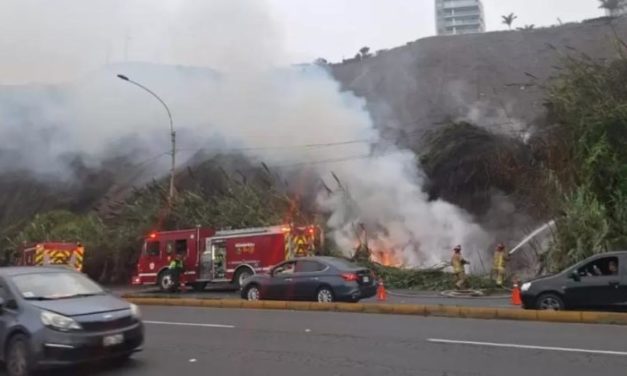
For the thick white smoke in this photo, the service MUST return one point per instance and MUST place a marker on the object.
(241, 99)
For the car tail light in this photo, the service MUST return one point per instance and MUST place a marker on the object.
(351, 277)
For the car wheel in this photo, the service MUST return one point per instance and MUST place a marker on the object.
(253, 293)
(18, 357)
(550, 302)
(325, 295)
(165, 281)
(241, 276)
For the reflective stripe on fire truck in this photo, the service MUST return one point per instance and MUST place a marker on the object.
(39, 255)
(78, 256)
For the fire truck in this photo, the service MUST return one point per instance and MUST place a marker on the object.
(228, 256)
(52, 253)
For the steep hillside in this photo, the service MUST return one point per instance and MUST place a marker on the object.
(491, 79)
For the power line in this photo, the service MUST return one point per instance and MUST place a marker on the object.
(302, 146)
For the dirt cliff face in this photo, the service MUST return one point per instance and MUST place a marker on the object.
(492, 79)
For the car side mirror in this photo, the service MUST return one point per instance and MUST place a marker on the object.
(575, 276)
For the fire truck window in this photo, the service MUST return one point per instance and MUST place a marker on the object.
(169, 247)
(308, 266)
(153, 248)
(181, 247)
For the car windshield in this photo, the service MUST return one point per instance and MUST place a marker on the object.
(51, 286)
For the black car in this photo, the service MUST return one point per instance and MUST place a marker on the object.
(323, 279)
(597, 282)
(51, 317)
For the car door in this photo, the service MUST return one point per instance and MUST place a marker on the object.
(8, 314)
(594, 285)
(281, 284)
(307, 278)
(622, 270)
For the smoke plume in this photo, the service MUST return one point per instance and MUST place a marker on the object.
(238, 96)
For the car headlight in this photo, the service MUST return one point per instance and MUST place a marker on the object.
(59, 322)
(525, 286)
(135, 311)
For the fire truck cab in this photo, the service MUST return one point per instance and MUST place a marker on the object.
(51, 253)
(228, 256)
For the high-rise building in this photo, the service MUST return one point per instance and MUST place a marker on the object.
(459, 16)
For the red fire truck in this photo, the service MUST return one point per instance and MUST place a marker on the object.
(51, 253)
(221, 256)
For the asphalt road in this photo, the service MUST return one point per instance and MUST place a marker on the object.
(196, 341)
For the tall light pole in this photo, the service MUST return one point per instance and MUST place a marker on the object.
(172, 133)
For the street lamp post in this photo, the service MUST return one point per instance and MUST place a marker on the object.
(172, 133)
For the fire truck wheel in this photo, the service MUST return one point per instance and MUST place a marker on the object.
(325, 295)
(164, 281)
(241, 275)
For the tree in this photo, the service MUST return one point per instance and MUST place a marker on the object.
(364, 52)
(527, 27)
(613, 7)
(509, 19)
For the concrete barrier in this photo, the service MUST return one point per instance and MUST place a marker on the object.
(397, 309)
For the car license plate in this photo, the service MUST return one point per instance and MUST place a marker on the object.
(366, 279)
(113, 340)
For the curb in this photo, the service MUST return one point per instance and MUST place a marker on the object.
(577, 317)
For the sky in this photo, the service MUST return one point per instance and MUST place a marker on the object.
(56, 40)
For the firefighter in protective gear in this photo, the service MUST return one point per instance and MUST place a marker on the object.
(458, 263)
(175, 270)
(498, 268)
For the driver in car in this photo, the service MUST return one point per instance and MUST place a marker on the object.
(613, 268)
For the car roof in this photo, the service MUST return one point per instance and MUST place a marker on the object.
(20, 270)
(605, 254)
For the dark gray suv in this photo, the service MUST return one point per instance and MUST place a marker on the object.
(51, 317)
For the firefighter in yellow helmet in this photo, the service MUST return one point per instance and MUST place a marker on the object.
(458, 263)
(498, 268)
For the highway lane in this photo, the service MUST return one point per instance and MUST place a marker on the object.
(250, 342)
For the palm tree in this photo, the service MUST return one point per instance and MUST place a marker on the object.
(509, 19)
(612, 6)
(364, 51)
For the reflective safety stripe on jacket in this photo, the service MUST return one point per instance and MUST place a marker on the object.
(175, 264)
(499, 260)
(457, 264)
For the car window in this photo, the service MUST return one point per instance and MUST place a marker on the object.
(342, 263)
(287, 268)
(58, 285)
(5, 293)
(308, 266)
(606, 266)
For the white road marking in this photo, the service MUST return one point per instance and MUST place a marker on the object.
(189, 324)
(527, 347)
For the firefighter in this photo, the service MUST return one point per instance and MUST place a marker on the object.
(175, 270)
(458, 263)
(498, 268)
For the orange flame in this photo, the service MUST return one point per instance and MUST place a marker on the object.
(386, 258)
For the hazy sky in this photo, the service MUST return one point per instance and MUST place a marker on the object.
(55, 40)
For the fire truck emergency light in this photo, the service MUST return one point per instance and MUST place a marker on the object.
(153, 235)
